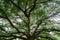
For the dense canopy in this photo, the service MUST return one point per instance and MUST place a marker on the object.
(29, 19)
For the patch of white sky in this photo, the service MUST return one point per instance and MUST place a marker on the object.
(56, 18)
(18, 19)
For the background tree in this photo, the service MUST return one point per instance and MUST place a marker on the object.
(29, 19)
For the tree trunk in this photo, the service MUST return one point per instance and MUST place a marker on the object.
(30, 38)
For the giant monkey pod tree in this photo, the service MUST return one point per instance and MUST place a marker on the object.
(29, 19)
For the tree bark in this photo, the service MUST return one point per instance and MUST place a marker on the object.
(30, 39)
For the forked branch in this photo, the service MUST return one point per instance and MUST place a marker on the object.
(6, 17)
(19, 8)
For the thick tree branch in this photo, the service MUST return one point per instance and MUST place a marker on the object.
(35, 3)
(6, 17)
(28, 25)
(33, 6)
(28, 21)
(19, 8)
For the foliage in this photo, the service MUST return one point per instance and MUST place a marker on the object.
(29, 19)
